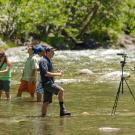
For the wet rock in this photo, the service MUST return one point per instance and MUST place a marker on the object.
(85, 72)
(85, 113)
(109, 129)
(127, 42)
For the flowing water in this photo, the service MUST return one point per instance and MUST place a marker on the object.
(91, 79)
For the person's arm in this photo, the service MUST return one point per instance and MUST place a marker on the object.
(44, 67)
(7, 69)
(51, 74)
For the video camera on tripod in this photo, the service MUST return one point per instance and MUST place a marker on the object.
(121, 84)
(124, 55)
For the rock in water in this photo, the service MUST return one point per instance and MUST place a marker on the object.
(85, 113)
(109, 129)
(85, 71)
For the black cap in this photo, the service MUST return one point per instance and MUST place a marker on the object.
(50, 48)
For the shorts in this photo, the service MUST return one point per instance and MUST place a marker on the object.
(26, 86)
(4, 85)
(49, 90)
(39, 88)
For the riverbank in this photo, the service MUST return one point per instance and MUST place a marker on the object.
(125, 42)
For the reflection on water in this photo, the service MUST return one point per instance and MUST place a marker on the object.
(89, 97)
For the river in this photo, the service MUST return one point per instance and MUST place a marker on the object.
(91, 79)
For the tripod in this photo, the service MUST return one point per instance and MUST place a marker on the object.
(121, 85)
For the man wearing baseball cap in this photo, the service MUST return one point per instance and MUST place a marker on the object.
(50, 87)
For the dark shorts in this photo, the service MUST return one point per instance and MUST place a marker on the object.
(49, 90)
(4, 85)
(39, 88)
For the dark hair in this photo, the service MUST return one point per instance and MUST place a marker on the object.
(32, 47)
(48, 49)
(2, 54)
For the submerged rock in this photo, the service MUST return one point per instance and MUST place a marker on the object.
(85, 71)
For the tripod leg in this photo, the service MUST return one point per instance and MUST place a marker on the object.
(129, 89)
(116, 99)
(122, 85)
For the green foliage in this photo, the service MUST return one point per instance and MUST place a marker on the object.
(98, 18)
(106, 36)
(129, 21)
(9, 44)
(57, 41)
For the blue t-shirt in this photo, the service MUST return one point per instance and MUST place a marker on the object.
(45, 65)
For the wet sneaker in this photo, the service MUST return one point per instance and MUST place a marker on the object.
(65, 113)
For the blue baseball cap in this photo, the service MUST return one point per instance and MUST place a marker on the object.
(39, 49)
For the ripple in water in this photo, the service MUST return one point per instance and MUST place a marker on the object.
(113, 76)
(67, 81)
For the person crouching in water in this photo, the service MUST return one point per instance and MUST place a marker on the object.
(28, 80)
(5, 75)
(50, 88)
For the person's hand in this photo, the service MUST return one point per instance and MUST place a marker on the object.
(60, 72)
